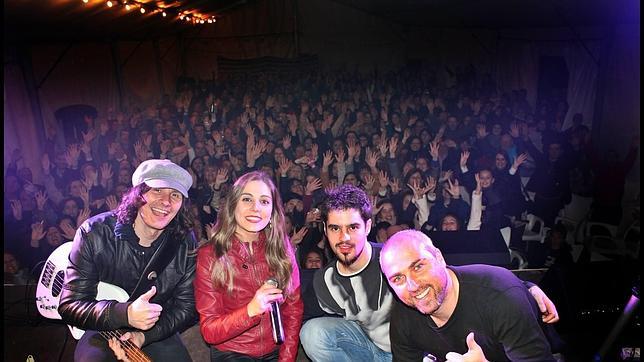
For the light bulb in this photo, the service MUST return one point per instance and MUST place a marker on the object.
(85, 1)
(109, 4)
(127, 6)
(164, 14)
(142, 10)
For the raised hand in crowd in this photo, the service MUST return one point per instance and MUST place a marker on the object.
(353, 150)
(372, 160)
(41, 200)
(514, 130)
(465, 155)
(394, 184)
(37, 233)
(106, 175)
(111, 201)
(221, 178)
(331, 185)
(382, 146)
(393, 146)
(312, 185)
(72, 155)
(519, 160)
(83, 215)
(327, 160)
(285, 165)
(286, 142)
(383, 180)
(84, 195)
(445, 175)
(299, 235)
(67, 230)
(369, 182)
(16, 209)
(434, 150)
(453, 188)
(406, 135)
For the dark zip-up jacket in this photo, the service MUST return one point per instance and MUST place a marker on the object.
(107, 251)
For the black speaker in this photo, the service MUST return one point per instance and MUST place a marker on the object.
(472, 247)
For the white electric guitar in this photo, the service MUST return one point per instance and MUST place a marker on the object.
(50, 286)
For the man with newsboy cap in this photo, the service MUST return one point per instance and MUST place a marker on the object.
(145, 247)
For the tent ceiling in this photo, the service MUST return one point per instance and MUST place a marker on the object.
(64, 20)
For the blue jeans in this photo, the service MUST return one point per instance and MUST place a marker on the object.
(329, 339)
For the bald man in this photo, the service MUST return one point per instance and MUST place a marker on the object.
(464, 313)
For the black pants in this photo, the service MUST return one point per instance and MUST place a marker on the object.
(93, 347)
(227, 356)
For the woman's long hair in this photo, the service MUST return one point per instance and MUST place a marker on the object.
(133, 200)
(279, 252)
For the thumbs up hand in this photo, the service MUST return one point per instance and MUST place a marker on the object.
(142, 314)
(474, 352)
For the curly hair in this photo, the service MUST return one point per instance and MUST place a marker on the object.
(346, 197)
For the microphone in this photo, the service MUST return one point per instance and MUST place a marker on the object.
(276, 317)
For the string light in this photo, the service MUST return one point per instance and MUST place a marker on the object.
(190, 16)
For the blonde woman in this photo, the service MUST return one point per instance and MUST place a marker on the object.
(249, 245)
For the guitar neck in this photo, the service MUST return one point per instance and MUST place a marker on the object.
(133, 352)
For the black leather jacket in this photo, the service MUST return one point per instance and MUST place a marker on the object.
(107, 251)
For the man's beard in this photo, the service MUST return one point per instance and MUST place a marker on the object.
(348, 262)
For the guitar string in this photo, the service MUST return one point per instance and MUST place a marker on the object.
(128, 346)
(134, 350)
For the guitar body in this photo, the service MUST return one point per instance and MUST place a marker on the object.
(50, 285)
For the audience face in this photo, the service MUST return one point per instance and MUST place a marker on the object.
(351, 179)
(422, 164)
(70, 208)
(415, 144)
(254, 209)
(347, 234)
(11, 265)
(387, 213)
(295, 172)
(313, 260)
(417, 275)
(449, 223)
(486, 178)
(416, 177)
(54, 238)
(76, 188)
(500, 162)
(554, 151)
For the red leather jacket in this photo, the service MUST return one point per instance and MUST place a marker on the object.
(223, 318)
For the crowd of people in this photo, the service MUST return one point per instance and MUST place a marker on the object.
(424, 156)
